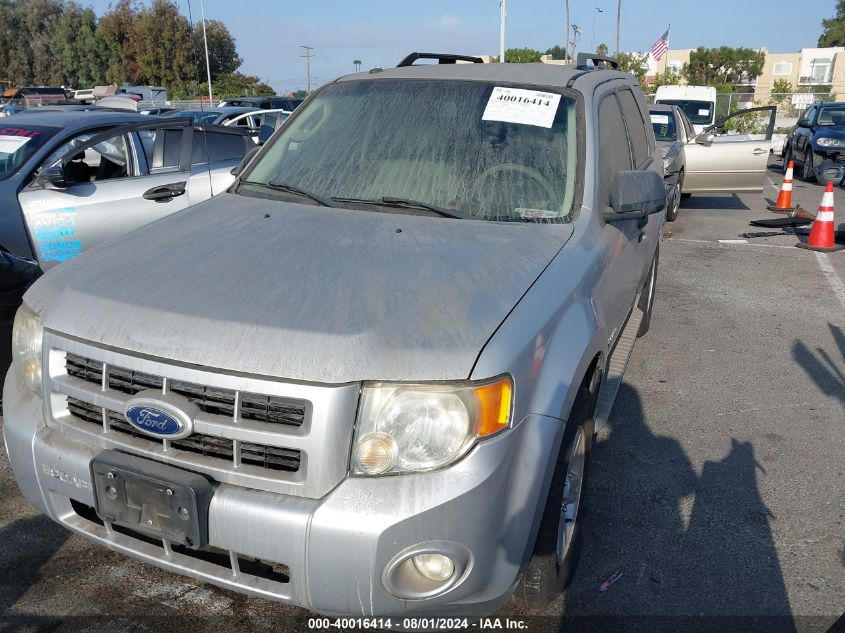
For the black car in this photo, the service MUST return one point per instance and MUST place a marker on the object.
(817, 143)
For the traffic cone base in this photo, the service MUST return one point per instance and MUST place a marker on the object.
(823, 232)
(784, 201)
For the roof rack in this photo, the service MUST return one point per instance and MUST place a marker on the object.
(442, 58)
(599, 61)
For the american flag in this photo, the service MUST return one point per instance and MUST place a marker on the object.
(659, 48)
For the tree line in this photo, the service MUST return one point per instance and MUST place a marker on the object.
(60, 43)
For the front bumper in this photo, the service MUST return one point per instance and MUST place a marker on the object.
(335, 549)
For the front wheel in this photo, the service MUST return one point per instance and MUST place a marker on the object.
(674, 203)
(808, 174)
(558, 547)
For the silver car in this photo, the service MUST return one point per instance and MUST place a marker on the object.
(72, 179)
(367, 379)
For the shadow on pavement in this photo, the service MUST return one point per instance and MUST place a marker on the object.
(27, 544)
(716, 202)
(696, 552)
(824, 370)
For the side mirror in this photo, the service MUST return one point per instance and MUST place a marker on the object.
(235, 171)
(705, 138)
(52, 177)
(636, 194)
(803, 123)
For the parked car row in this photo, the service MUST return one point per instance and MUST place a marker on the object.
(375, 362)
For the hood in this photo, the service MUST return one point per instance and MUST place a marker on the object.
(824, 131)
(301, 292)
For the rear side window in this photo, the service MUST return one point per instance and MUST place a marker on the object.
(212, 147)
(636, 127)
(614, 151)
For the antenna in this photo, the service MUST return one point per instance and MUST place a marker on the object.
(308, 55)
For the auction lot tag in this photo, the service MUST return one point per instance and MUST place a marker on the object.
(704, 112)
(528, 107)
(660, 119)
(11, 144)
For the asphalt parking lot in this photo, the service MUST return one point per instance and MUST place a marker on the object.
(718, 491)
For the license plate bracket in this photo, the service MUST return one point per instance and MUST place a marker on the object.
(155, 499)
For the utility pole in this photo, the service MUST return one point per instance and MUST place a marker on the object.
(618, 21)
(308, 57)
(576, 31)
(503, 12)
(566, 41)
(207, 63)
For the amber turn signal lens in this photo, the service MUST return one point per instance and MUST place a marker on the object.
(494, 406)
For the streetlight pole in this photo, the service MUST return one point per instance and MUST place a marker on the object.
(307, 57)
(503, 12)
(207, 63)
(618, 21)
(593, 37)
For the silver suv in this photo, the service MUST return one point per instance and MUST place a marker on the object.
(366, 380)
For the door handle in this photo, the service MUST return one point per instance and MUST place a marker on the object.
(758, 151)
(165, 193)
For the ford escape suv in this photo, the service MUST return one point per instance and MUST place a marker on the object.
(366, 380)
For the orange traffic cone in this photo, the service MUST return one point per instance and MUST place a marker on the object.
(822, 234)
(784, 202)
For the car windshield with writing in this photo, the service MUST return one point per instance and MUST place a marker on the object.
(698, 112)
(464, 149)
(664, 126)
(831, 116)
(17, 144)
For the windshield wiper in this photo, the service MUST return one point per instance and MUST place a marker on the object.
(280, 186)
(405, 203)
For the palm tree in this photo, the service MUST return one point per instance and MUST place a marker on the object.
(357, 64)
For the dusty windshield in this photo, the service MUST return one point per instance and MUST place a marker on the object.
(663, 124)
(482, 150)
(17, 144)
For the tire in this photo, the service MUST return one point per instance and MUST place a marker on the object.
(807, 172)
(787, 156)
(646, 302)
(673, 204)
(547, 576)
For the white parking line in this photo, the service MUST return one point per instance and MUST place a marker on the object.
(832, 278)
(729, 243)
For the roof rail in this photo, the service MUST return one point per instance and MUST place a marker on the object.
(599, 61)
(442, 58)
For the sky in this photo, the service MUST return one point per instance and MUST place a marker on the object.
(269, 33)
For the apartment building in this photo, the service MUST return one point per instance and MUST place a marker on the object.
(810, 70)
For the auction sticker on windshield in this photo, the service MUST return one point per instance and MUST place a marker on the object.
(528, 107)
(660, 119)
(11, 144)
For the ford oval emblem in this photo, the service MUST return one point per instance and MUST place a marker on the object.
(154, 421)
(167, 416)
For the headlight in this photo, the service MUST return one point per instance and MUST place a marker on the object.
(830, 142)
(26, 348)
(412, 428)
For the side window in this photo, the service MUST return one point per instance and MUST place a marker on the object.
(106, 160)
(162, 148)
(614, 151)
(213, 147)
(636, 127)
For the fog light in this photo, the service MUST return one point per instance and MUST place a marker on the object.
(376, 453)
(434, 566)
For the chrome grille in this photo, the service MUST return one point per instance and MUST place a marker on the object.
(261, 455)
(250, 431)
(256, 407)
